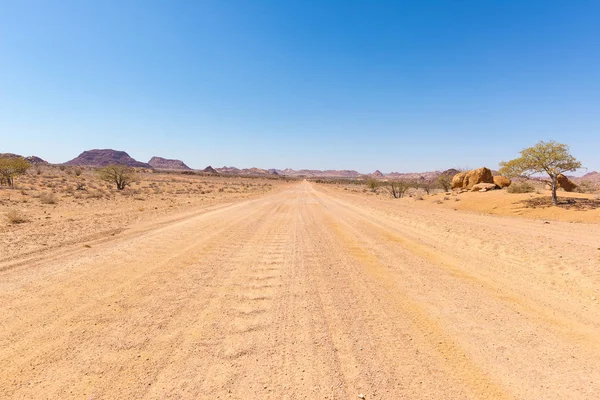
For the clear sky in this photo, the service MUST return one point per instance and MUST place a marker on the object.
(390, 85)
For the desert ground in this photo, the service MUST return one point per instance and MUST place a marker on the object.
(293, 290)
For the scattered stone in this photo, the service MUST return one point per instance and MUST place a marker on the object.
(483, 187)
(362, 396)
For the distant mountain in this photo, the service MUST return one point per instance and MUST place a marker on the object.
(450, 172)
(36, 160)
(104, 157)
(414, 176)
(315, 173)
(377, 174)
(254, 171)
(228, 170)
(210, 170)
(593, 177)
(165, 163)
(32, 159)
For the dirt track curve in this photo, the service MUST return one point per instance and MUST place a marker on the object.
(310, 293)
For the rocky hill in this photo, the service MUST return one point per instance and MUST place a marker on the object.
(228, 170)
(165, 163)
(101, 158)
(210, 170)
(32, 159)
(315, 173)
(591, 177)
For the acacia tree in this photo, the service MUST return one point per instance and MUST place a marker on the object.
(10, 167)
(551, 157)
(120, 175)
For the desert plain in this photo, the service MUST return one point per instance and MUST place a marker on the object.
(194, 287)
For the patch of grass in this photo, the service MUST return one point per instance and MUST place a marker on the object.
(523, 187)
(566, 203)
(48, 198)
(16, 217)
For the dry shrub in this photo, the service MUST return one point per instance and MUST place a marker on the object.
(48, 198)
(523, 187)
(95, 194)
(16, 217)
(586, 187)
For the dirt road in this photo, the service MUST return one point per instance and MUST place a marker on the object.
(310, 293)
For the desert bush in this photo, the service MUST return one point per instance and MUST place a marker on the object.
(95, 194)
(586, 187)
(373, 184)
(398, 188)
(48, 198)
(16, 217)
(445, 182)
(426, 186)
(523, 187)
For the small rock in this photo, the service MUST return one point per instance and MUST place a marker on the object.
(546, 222)
(361, 396)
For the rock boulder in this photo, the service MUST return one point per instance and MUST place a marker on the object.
(502, 181)
(565, 183)
(468, 179)
(483, 187)
(458, 180)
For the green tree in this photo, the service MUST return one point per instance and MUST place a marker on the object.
(11, 167)
(120, 175)
(551, 157)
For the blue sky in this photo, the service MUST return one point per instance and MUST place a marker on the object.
(390, 85)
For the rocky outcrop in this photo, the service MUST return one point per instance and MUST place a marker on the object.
(502, 181)
(167, 164)
(565, 183)
(467, 179)
(104, 157)
(36, 160)
(31, 159)
(377, 174)
(210, 170)
(483, 187)
(458, 180)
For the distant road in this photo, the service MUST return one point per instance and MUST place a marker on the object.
(311, 293)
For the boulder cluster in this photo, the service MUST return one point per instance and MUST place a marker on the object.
(479, 180)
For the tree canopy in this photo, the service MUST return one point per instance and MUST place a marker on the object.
(11, 166)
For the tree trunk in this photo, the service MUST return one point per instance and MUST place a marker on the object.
(554, 197)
